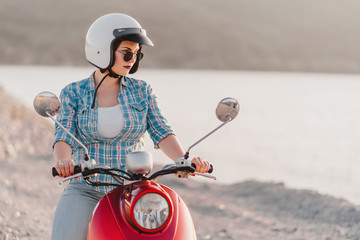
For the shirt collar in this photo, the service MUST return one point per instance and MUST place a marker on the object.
(91, 83)
(125, 81)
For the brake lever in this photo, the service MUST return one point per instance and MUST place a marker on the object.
(69, 178)
(204, 175)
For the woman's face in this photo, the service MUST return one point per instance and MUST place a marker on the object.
(121, 67)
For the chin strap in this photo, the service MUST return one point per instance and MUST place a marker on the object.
(114, 75)
(93, 101)
(110, 74)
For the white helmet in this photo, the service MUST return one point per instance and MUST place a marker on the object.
(103, 32)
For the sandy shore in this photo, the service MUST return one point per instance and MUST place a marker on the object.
(247, 210)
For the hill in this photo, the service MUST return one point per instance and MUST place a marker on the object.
(274, 35)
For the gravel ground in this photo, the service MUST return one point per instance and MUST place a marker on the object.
(247, 210)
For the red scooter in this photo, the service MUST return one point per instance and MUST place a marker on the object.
(139, 208)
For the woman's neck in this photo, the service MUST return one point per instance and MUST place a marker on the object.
(108, 91)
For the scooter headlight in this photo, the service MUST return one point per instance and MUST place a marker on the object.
(151, 211)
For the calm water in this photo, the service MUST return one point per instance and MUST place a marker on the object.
(301, 129)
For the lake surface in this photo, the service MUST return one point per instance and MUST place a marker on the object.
(300, 129)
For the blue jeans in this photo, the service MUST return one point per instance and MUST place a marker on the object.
(73, 212)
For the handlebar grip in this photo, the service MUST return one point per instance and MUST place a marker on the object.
(211, 169)
(77, 169)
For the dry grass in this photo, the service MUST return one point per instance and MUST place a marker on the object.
(22, 132)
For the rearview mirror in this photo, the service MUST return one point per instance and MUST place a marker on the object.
(228, 108)
(46, 102)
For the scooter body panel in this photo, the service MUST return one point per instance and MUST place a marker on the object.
(112, 218)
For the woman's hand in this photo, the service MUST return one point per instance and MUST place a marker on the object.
(62, 156)
(65, 167)
(202, 165)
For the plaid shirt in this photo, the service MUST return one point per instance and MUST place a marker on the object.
(141, 114)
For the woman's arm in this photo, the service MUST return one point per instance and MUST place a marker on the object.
(62, 157)
(171, 146)
(63, 143)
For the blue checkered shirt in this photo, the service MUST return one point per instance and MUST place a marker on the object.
(141, 114)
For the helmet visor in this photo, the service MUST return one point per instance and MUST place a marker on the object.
(137, 35)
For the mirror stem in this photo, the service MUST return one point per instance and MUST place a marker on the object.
(186, 156)
(80, 143)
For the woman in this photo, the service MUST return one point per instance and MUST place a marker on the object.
(109, 112)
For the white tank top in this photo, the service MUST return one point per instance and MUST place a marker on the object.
(110, 121)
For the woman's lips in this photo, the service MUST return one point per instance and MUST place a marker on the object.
(127, 67)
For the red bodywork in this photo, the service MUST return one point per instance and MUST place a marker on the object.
(112, 218)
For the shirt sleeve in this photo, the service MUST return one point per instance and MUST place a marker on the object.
(66, 117)
(157, 126)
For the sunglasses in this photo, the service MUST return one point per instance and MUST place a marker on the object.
(130, 55)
